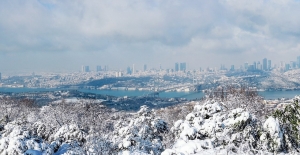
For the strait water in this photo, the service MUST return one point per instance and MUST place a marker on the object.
(187, 95)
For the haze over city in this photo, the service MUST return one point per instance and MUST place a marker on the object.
(50, 35)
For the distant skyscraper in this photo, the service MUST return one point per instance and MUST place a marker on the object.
(293, 64)
(250, 67)
(0, 76)
(145, 67)
(246, 66)
(287, 67)
(98, 69)
(254, 65)
(223, 67)
(176, 67)
(258, 65)
(282, 66)
(183, 66)
(85, 68)
(269, 65)
(133, 69)
(232, 68)
(265, 67)
(128, 70)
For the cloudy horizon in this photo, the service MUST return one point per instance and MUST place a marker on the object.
(54, 35)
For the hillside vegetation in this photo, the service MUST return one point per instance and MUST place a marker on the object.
(237, 123)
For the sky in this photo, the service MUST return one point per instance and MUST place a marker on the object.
(56, 35)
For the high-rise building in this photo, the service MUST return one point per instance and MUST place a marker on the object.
(287, 67)
(293, 65)
(0, 76)
(145, 67)
(133, 69)
(105, 68)
(223, 67)
(251, 68)
(183, 66)
(298, 61)
(119, 74)
(258, 65)
(246, 66)
(265, 65)
(176, 67)
(254, 65)
(98, 69)
(85, 68)
(269, 65)
(128, 70)
(232, 68)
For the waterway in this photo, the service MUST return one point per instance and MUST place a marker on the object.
(187, 95)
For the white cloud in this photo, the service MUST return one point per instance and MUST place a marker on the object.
(163, 30)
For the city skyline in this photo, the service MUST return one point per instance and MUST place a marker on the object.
(264, 64)
(62, 36)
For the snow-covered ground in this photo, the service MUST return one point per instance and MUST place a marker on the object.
(211, 127)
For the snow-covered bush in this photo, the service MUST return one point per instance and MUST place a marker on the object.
(211, 127)
(70, 132)
(16, 110)
(170, 115)
(272, 136)
(42, 130)
(142, 133)
(98, 144)
(17, 140)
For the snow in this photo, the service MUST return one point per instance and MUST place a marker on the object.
(19, 140)
(70, 132)
(16, 139)
(209, 129)
(141, 134)
(272, 128)
(271, 125)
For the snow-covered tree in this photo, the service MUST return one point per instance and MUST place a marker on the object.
(16, 139)
(287, 127)
(142, 134)
(211, 127)
(240, 97)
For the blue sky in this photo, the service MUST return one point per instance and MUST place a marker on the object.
(55, 35)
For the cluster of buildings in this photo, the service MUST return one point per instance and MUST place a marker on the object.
(265, 65)
(181, 68)
(98, 68)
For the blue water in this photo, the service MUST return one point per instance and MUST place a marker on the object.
(279, 94)
(187, 95)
